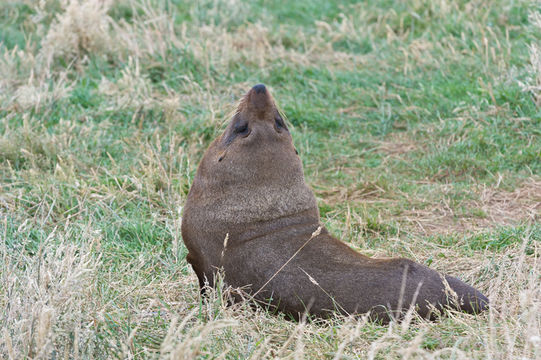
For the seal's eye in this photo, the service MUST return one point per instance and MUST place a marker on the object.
(279, 123)
(241, 128)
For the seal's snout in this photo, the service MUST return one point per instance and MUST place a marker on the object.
(260, 99)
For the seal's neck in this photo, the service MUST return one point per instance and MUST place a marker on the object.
(305, 222)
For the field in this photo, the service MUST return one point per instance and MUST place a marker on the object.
(418, 123)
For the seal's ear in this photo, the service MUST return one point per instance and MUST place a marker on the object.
(222, 155)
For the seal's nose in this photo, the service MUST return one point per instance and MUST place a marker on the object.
(260, 99)
(259, 88)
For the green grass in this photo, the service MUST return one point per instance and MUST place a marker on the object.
(410, 118)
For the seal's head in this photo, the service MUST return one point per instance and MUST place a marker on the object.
(256, 145)
(252, 172)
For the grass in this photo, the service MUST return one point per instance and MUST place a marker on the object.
(418, 124)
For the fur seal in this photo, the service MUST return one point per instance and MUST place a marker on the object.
(250, 213)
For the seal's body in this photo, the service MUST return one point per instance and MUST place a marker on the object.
(250, 213)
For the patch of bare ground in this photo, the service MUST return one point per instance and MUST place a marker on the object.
(396, 145)
(493, 207)
(524, 203)
(439, 211)
(365, 193)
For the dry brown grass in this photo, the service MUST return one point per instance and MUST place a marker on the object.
(46, 298)
(83, 27)
(24, 86)
(53, 307)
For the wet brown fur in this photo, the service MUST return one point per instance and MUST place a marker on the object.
(250, 188)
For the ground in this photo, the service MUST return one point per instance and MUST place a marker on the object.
(418, 123)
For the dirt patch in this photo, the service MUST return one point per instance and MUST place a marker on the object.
(524, 203)
(494, 207)
(396, 145)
